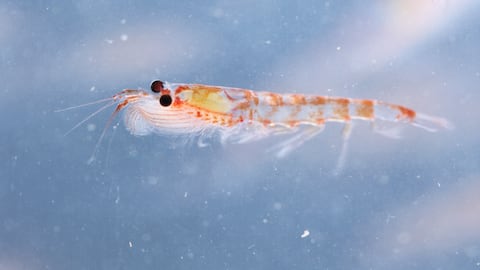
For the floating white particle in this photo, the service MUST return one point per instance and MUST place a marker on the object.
(91, 127)
(92, 88)
(130, 244)
(268, 42)
(152, 180)
(117, 200)
(384, 179)
(185, 194)
(124, 37)
(109, 41)
(277, 206)
(339, 48)
(305, 234)
(123, 21)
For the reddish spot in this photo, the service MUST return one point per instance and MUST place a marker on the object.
(318, 100)
(122, 105)
(320, 121)
(298, 99)
(165, 92)
(265, 122)
(406, 113)
(177, 101)
(341, 101)
(293, 123)
(199, 114)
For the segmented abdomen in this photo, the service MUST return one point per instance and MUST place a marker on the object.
(295, 109)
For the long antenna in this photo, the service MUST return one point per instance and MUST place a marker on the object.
(88, 117)
(84, 105)
(109, 122)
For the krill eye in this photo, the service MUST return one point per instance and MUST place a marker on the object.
(165, 100)
(156, 86)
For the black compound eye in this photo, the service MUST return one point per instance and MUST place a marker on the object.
(165, 100)
(157, 86)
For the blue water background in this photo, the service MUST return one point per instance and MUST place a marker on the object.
(153, 203)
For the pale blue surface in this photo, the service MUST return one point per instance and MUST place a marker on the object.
(149, 203)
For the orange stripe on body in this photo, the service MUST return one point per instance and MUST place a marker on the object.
(298, 102)
(273, 101)
(365, 108)
(405, 113)
(318, 102)
(340, 108)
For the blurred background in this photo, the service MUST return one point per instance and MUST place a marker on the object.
(152, 203)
